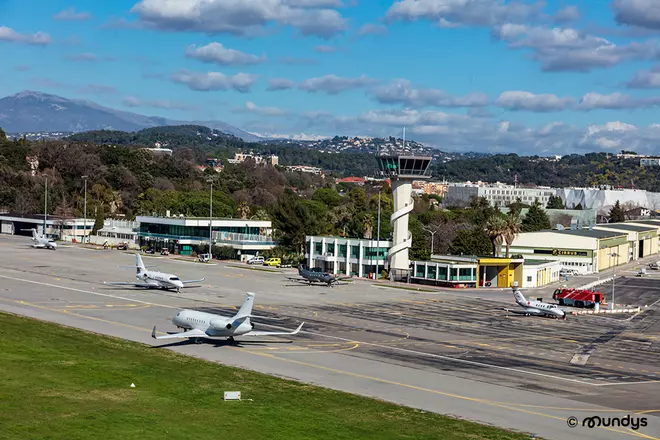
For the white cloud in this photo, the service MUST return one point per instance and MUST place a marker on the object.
(646, 79)
(452, 13)
(325, 49)
(333, 84)
(640, 13)
(219, 54)
(131, 101)
(251, 107)
(567, 14)
(239, 17)
(36, 39)
(401, 91)
(279, 84)
(521, 100)
(70, 14)
(372, 29)
(566, 49)
(240, 82)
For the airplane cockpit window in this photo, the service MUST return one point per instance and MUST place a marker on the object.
(174, 278)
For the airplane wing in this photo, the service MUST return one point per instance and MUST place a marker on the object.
(129, 283)
(295, 332)
(193, 281)
(194, 333)
(520, 311)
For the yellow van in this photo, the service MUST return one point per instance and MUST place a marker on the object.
(273, 262)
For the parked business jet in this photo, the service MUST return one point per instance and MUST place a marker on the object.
(536, 308)
(41, 241)
(309, 277)
(154, 280)
(200, 325)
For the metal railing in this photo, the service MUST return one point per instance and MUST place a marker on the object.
(218, 237)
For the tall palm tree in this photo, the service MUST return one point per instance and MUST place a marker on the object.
(368, 225)
(513, 226)
(243, 210)
(496, 228)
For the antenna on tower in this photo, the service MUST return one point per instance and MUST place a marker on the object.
(404, 138)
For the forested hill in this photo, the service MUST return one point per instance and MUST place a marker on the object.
(205, 142)
(592, 169)
(333, 156)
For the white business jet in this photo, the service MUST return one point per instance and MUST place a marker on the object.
(536, 308)
(41, 241)
(200, 325)
(154, 280)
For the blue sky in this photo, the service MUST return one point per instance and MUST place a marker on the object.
(568, 75)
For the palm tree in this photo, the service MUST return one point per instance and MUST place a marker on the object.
(368, 225)
(496, 228)
(513, 226)
(243, 210)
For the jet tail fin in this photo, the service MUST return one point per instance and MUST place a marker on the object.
(246, 308)
(139, 264)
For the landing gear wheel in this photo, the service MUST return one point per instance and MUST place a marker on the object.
(198, 340)
(231, 339)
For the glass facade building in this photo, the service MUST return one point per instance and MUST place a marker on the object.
(347, 256)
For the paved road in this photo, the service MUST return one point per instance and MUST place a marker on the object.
(442, 352)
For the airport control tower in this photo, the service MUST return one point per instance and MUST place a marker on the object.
(401, 168)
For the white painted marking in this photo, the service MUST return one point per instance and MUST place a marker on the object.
(404, 350)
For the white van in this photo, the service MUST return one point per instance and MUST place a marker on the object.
(256, 260)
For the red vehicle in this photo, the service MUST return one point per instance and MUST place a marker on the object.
(578, 297)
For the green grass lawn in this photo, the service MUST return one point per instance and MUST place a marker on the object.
(62, 383)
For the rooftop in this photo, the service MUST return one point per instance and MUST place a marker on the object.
(627, 227)
(591, 233)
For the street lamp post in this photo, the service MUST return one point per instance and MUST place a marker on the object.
(432, 234)
(85, 210)
(613, 254)
(45, 203)
(211, 221)
(378, 235)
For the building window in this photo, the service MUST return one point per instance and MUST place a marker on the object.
(465, 274)
(342, 250)
(442, 272)
(318, 248)
(355, 251)
(419, 270)
(432, 272)
(529, 279)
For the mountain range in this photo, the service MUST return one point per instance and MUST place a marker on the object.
(30, 112)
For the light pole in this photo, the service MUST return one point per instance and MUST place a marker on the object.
(378, 234)
(613, 254)
(211, 220)
(85, 210)
(45, 203)
(432, 234)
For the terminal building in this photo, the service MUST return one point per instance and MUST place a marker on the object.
(58, 228)
(348, 256)
(584, 250)
(181, 235)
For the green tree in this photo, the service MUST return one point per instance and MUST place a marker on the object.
(3, 135)
(512, 227)
(555, 202)
(471, 242)
(243, 210)
(99, 220)
(617, 214)
(536, 219)
(496, 228)
(368, 225)
(328, 196)
(517, 206)
(419, 249)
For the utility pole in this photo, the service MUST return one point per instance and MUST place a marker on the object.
(211, 221)
(614, 254)
(45, 204)
(85, 211)
(378, 234)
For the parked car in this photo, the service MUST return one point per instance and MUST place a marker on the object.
(164, 252)
(150, 251)
(122, 247)
(273, 262)
(204, 258)
(256, 260)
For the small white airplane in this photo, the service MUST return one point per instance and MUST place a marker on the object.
(200, 325)
(41, 241)
(536, 308)
(154, 280)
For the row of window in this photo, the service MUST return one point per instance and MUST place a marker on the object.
(340, 251)
(446, 273)
(193, 231)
